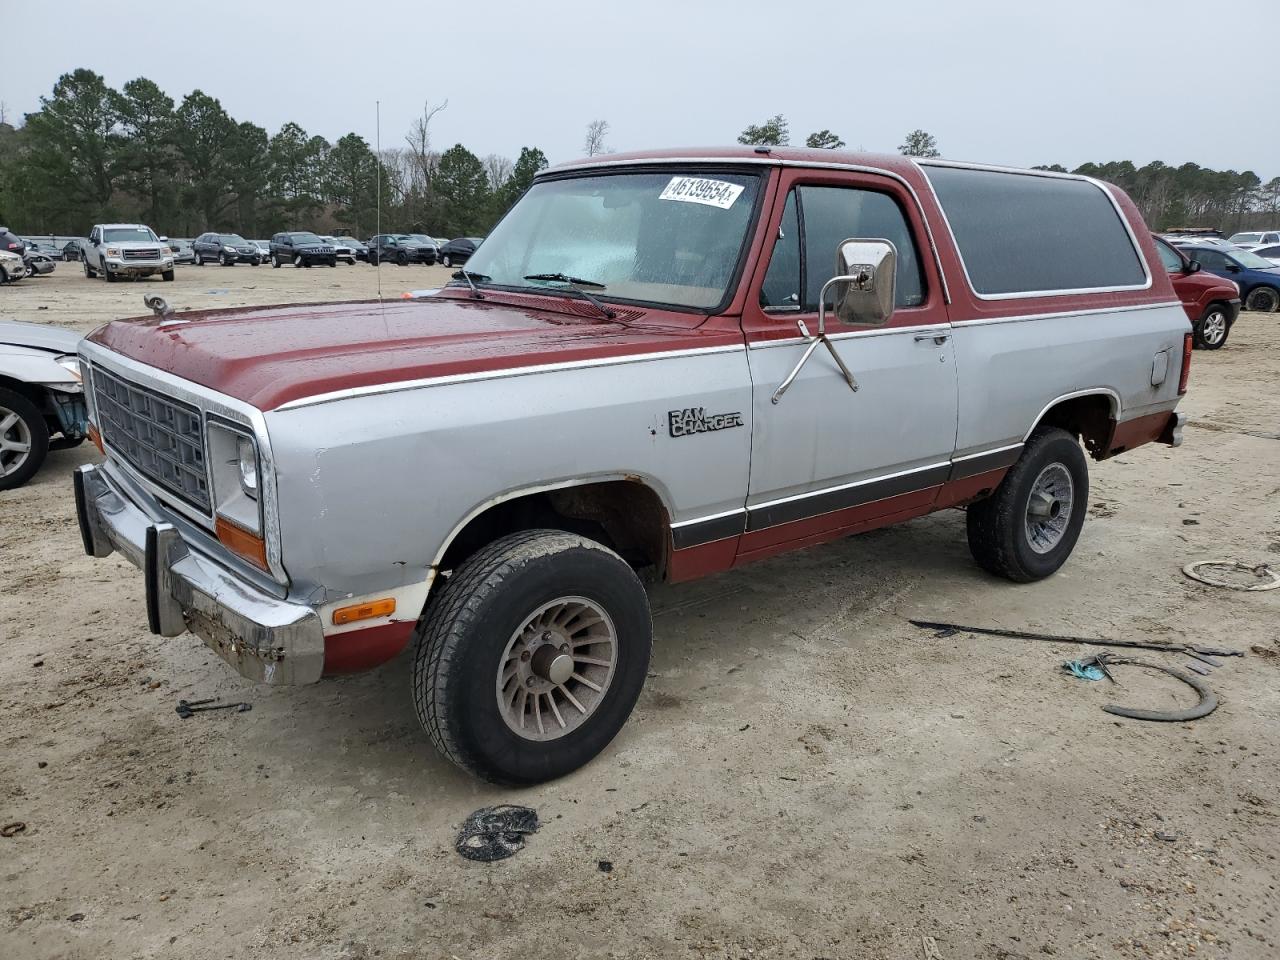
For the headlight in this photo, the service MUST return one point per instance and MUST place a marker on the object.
(247, 453)
(113, 251)
(229, 248)
(70, 363)
(233, 457)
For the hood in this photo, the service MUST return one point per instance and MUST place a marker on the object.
(268, 356)
(39, 336)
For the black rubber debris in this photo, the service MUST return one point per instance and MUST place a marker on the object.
(495, 833)
(606, 866)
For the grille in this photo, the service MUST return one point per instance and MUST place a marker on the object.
(161, 438)
(141, 255)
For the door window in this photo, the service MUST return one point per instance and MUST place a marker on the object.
(816, 220)
(1210, 259)
(1169, 257)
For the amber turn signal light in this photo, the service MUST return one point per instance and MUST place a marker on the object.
(364, 611)
(96, 439)
(241, 542)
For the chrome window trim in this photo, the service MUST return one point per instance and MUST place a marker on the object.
(766, 161)
(1062, 314)
(208, 402)
(397, 386)
(1047, 174)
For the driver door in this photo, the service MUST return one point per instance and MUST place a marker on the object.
(826, 460)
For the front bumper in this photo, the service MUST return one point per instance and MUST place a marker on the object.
(144, 268)
(266, 639)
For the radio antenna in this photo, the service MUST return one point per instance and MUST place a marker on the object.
(377, 139)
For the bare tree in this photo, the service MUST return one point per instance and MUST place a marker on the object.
(498, 170)
(419, 140)
(597, 130)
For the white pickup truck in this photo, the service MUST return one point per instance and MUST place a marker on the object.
(126, 250)
(660, 366)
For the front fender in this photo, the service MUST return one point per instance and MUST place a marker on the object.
(30, 365)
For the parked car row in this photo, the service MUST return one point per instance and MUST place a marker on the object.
(115, 250)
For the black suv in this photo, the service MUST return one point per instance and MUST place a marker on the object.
(302, 249)
(11, 242)
(401, 248)
(227, 249)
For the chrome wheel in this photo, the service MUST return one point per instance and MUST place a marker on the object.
(1049, 508)
(556, 668)
(15, 442)
(1213, 330)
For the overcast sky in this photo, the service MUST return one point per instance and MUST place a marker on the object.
(1002, 81)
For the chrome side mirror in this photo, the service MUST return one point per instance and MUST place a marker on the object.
(865, 283)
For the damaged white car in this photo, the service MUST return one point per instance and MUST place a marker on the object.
(41, 398)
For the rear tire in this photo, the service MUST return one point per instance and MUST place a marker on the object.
(1213, 328)
(89, 272)
(24, 439)
(1026, 529)
(446, 261)
(1262, 300)
(275, 262)
(492, 620)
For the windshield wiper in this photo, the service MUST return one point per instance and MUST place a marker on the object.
(577, 283)
(467, 275)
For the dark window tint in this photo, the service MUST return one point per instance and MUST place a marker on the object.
(1268, 252)
(1271, 238)
(1022, 234)
(1209, 259)
(1169, 257)
(782, 282)
(832, 215)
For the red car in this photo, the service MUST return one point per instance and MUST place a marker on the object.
(1212, 302)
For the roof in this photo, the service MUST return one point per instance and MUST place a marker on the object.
(740, 154)
(891, 162)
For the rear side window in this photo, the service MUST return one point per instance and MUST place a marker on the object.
(1021, 235)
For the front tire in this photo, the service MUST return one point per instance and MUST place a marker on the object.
(275, 262)
(167, 276)
(1212, 330)
(1026, 529)
(24, 439)
(199, 261)
(532, 656)
(298, 261)
(1262, 300)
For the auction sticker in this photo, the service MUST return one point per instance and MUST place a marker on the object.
(714, 193)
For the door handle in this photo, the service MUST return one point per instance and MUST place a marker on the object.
(935, 337)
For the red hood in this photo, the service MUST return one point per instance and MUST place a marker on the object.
(268, 356)
(1193, 287)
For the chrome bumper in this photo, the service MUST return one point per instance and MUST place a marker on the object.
(1172, 434)
(266, 639)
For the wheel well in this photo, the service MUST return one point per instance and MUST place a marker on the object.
(32, 393)
(1090, 418)
(624, 515)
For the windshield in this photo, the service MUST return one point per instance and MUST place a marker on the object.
(304, 238)
(1246, 238)
(1252, 260)
(421, 238)
(129, 235)
(653, 237)
(231, 239)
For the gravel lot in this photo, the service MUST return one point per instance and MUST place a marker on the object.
(806, 775)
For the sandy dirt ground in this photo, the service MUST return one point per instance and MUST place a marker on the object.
(806, 775)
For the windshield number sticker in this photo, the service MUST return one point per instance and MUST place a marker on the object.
(713, 193)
